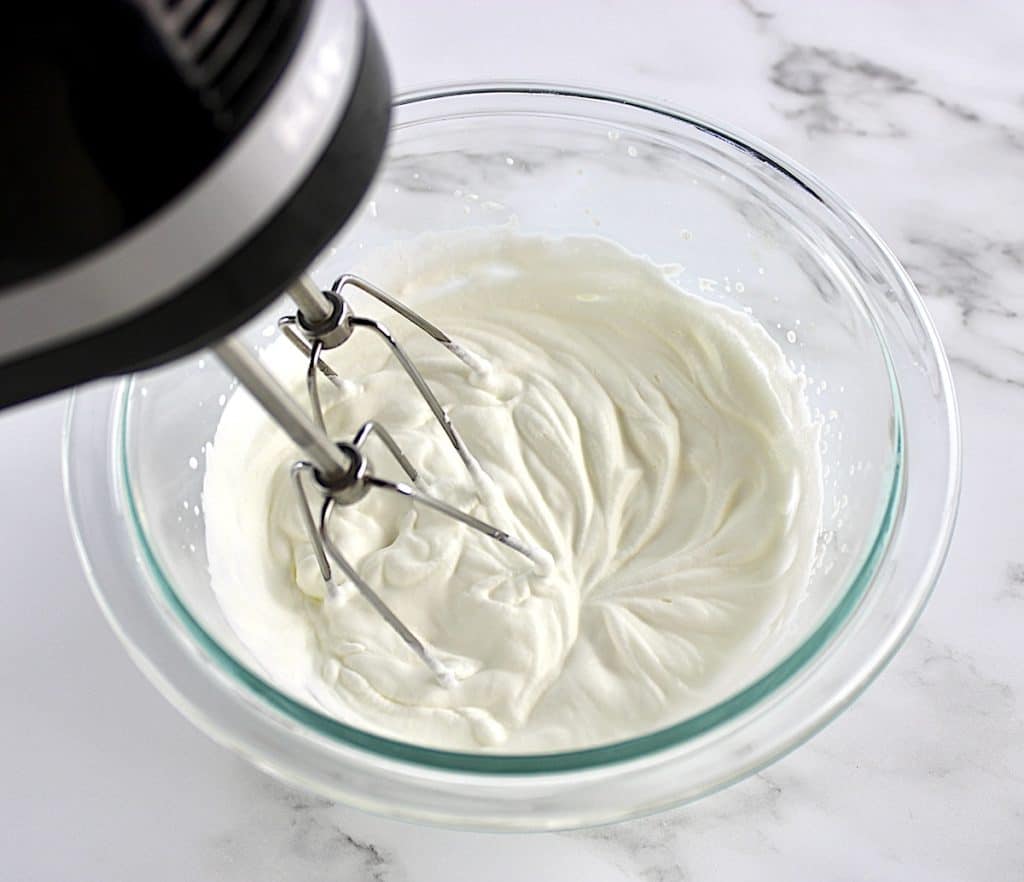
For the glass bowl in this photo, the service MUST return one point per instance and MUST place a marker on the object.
(750, 229)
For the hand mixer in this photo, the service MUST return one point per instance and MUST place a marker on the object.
(169, 167)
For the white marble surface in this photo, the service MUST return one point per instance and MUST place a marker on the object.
(915, 112)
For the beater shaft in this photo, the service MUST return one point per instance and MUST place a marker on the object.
(332, 464)
(310, 300)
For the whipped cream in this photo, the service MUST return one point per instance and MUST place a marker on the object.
(657, 446)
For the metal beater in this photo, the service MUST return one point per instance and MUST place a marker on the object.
(338, 472)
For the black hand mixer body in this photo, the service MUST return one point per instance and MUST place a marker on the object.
(168, 167)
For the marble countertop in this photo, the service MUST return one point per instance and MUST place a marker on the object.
(915, 113)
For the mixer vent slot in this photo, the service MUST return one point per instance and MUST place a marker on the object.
(229, 52)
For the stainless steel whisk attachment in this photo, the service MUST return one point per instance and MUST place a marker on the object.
(340, 473)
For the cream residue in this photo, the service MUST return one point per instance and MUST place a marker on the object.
(658, 446)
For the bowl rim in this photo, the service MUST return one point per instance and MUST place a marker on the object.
(736, 704)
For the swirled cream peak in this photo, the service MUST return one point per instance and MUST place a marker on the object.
(658, 446)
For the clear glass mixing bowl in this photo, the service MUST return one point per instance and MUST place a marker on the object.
(750, 229)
